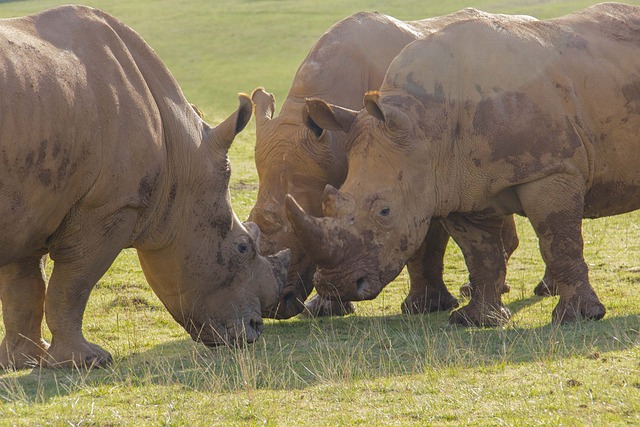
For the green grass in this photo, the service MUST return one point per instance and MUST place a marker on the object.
(377, 367)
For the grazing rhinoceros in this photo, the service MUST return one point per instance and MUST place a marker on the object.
(486, 118)
(347, 61)
(99, 151)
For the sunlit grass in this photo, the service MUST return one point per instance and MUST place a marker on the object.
(377, 367)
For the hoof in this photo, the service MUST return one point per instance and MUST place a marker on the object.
(429, 303)
(465, 290)
(578, 308)
(87, 356)
(321, 307)
(471, 315)
(26, 355)
(546, 288)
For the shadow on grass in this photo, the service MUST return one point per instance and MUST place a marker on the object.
(300, 353)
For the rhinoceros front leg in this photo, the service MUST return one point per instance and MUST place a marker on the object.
(510, 242)
(482, 247)
(428, 292)
(82, 253)
(22, 290)
(558, 224)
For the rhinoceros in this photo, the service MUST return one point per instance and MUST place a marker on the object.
(100, 151)
(347, 61)
(486, 118)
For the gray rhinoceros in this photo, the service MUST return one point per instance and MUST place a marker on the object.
(99, 151)
(482, 119)
(347, 61)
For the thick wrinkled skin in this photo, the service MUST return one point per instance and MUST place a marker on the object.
(483, 119)
(100, 151)
(293, 156)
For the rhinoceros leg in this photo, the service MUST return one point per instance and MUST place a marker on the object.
(547, 286)
(558, 224)
(22, 290)
(428, 293)
(510, 242)
(82, 253)
(483, 250)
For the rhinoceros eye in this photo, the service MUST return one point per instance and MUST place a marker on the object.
(385, 211)
(243, 248)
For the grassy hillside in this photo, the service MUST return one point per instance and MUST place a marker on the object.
(377, 367)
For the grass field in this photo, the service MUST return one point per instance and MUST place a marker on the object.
(377, 367)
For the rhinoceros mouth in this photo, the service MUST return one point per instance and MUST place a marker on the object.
(354, 286)
(295, 293)
(213, 333)
(291, 303)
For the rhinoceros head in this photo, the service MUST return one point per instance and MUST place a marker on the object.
(290, 159)
(201, 261)
(379, 217)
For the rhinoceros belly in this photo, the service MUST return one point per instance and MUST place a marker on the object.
(611, 198)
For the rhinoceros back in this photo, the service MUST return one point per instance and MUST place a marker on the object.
(78, 126)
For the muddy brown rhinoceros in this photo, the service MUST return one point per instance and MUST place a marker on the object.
(347, 61)
(100, 151)
(482, 119)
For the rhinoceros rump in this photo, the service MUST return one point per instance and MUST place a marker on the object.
(99, 151)
(482, 119)
(347, 61)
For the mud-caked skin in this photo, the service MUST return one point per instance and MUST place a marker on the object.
(100, 151)
(482, 119)
(293, 156)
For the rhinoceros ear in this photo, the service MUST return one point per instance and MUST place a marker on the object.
(390, 115)
(223, 134)
(253, 230)
(265, 105)
(319, 116)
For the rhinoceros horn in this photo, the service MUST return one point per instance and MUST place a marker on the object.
(314, 234)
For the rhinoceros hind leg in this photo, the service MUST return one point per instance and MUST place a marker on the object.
(323, 307)
(558, 224)
(583, 304)
(22, 290)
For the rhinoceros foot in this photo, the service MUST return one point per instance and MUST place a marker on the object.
(481, 315)
(584, 304)
(23, 355)
(83, 356)
(546, 288)
(465, 290)
(323, 307)
(429, 303)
